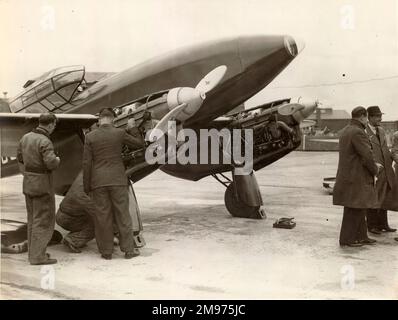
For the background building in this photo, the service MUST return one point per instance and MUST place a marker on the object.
(4, 107)
(329, 119)
(328, 124)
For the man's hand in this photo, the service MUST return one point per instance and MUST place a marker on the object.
(379, 167)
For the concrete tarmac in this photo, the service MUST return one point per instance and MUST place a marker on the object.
(196, 250)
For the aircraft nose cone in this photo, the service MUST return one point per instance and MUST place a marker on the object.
(309, 108)
(300, 44)
(253, 49)
(192, 97)
(294, 45)
(276, 49)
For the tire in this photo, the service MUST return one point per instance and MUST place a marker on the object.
(239, 209)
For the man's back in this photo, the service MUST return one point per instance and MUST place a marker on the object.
(37, 152)
(103, 158)
(104, 177)
(356, 169)
(76, 202)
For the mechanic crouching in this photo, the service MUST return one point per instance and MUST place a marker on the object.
(75, 214)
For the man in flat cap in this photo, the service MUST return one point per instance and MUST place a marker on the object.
(36, 154)
(104, 178)
(354, 188)
(377, 217)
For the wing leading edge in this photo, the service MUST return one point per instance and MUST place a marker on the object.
(14, 125)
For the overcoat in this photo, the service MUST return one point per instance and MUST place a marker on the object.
(354, 187)
(391, 200)
(381, 152)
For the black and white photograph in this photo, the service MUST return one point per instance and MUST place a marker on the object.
(199, 150)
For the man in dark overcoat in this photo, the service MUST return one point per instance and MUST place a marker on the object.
(105, 179)
(38, 159)
(377, 220)
(355, 181)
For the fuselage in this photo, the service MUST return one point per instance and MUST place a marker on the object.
(252, 63)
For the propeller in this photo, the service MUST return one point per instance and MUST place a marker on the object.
(299, 108)
(289, 109)
(211, 80)
(184, 102)
(162, 125)
(307, 123)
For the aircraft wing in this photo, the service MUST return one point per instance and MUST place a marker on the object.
(14, 125)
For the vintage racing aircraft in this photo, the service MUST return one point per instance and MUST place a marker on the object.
(197, 86)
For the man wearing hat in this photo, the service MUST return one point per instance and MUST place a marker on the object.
(355, 177)
(377, 217)
(104, 178)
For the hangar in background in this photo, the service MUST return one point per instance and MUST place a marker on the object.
(329, 122)
(332, 119)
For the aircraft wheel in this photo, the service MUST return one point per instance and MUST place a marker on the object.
(239, 209)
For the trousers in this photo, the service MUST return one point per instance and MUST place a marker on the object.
(377, 218)
(353, 226)
(81, 227)
(112, 202)
(41, 222)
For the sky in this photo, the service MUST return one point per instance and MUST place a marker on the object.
(350, 58)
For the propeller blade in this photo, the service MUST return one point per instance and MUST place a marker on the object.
(211, 79)
(307, 123)
(289, 109)
(162, 125)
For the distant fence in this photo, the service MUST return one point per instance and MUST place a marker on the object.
(319, 143)
(329, 142)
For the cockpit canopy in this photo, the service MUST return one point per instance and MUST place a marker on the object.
(53, 91)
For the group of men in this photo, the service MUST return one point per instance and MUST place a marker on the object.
(102, 187)
(366, 184)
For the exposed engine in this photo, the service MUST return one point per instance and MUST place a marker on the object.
(272, 132)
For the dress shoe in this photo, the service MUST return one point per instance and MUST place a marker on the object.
(368, 241)
(353, 244)
(132, 254)
(106, 256)
(375, 231)
(70, 246)
(48, 261)
(388, 229)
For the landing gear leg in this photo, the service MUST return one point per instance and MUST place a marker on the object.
(136, 218)
(242, 197)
